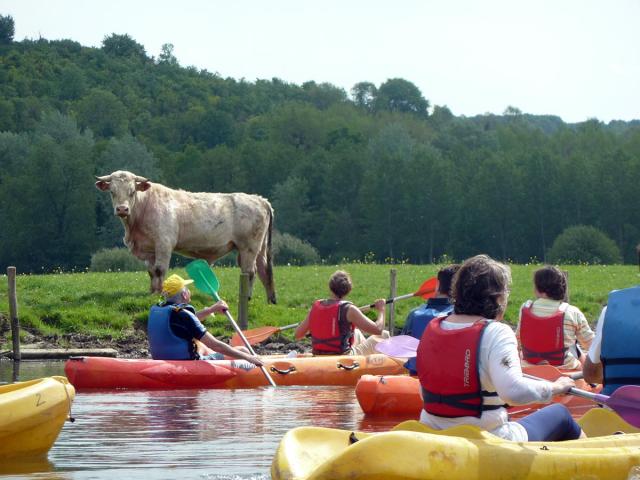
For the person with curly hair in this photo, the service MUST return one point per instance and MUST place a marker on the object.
(549, 329)
(469, 366)
(336, 325)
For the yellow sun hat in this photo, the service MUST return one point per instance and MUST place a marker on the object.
(174, 284)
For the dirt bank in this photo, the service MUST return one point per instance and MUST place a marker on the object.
(136, 345)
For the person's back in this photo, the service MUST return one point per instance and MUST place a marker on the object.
(620, 332)
(440, 305)
(549, 328)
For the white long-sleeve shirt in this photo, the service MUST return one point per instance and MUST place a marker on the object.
(500, 372)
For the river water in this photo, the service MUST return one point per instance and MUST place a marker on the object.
(203, 434)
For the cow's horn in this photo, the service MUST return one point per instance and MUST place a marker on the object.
(106, 178)
(141, 179)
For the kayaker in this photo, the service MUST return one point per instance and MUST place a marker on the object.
(469, 367)
(439, 305)
(336, 325)
(549, 329)
(613, 359)
(176, 332)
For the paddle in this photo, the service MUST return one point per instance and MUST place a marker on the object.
(206, 281)
(426, 290)
(260, 334)
(625, 401)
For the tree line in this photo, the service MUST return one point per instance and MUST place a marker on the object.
(377, 173)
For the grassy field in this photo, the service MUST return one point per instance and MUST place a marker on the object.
(116, 304)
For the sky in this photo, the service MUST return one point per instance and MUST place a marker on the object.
(577, 59)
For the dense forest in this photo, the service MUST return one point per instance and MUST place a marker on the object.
(377, 173)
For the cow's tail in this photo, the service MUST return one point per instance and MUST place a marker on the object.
(269, 266)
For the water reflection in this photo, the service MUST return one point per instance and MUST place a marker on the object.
(212, 434)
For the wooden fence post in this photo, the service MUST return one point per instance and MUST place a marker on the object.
(243, 302)
(566, 276)
(13, 313)
(392, 306)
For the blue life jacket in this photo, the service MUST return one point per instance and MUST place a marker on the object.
(620, 353)
(164, 344)
(419, 318)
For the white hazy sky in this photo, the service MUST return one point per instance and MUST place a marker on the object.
(577, 59)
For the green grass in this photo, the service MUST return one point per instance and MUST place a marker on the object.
(111, 304)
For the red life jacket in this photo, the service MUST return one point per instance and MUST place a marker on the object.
(447, 362)
(542, 338)
(330, 333)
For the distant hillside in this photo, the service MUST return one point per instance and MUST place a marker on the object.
(376, 173)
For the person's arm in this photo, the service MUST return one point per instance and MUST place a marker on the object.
(303, 328)
(584, 334)
(361, 321)
(217, 346)
(592, 368)
(218, 307)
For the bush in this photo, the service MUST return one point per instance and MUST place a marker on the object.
(115, 260)
(584, 244)
(288, 249)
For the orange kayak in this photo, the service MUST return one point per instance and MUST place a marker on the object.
(399, 395)
(144, 374)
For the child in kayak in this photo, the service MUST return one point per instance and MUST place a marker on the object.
(336, 325)
(469, 366)
(549, 328)
(176, 332)
(439, 305)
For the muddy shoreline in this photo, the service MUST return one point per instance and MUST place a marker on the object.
(137, 346)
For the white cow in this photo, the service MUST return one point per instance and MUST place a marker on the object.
(159, 220)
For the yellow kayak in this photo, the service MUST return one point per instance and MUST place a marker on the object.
(413, 451)
(32, 414)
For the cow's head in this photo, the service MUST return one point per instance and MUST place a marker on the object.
(123, 187)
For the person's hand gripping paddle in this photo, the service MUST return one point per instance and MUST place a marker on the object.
(206, 281)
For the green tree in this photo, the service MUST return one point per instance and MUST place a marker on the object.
(123, 46)
(399, 95)
(7, 29)
(291, 204)
(584, 244)
(51, 224)
(364, 94)
(102, 112)
(166, 55)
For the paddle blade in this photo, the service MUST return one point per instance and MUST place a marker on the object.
(399, 346)
(427, 289)
(625, 401)
(254, 336)
(203, 277)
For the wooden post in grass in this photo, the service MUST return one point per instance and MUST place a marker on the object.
(13, 313)
(393, 278)
(566, 276)
(243, 302)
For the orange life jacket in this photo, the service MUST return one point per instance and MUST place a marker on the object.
(542, 338)
(447, 362)
(330, 334)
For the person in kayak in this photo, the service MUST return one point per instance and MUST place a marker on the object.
(613, 359)
(469, 366)
(549, 329)
(336, 325)
(176, 332)
(439, 305)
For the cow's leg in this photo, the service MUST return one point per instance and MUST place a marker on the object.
(149, 262)
(159, 270)
(247, 263)
(265, 272)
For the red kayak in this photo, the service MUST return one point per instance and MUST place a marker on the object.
(145, 374)
(399, 395)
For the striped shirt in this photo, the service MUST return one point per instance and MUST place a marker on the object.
(576, 328)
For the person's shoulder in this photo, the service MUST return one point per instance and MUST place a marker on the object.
(500, 329)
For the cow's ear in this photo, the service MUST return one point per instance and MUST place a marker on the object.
(143, 186)
(102, 185)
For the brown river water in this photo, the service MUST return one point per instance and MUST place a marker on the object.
(184, 434)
